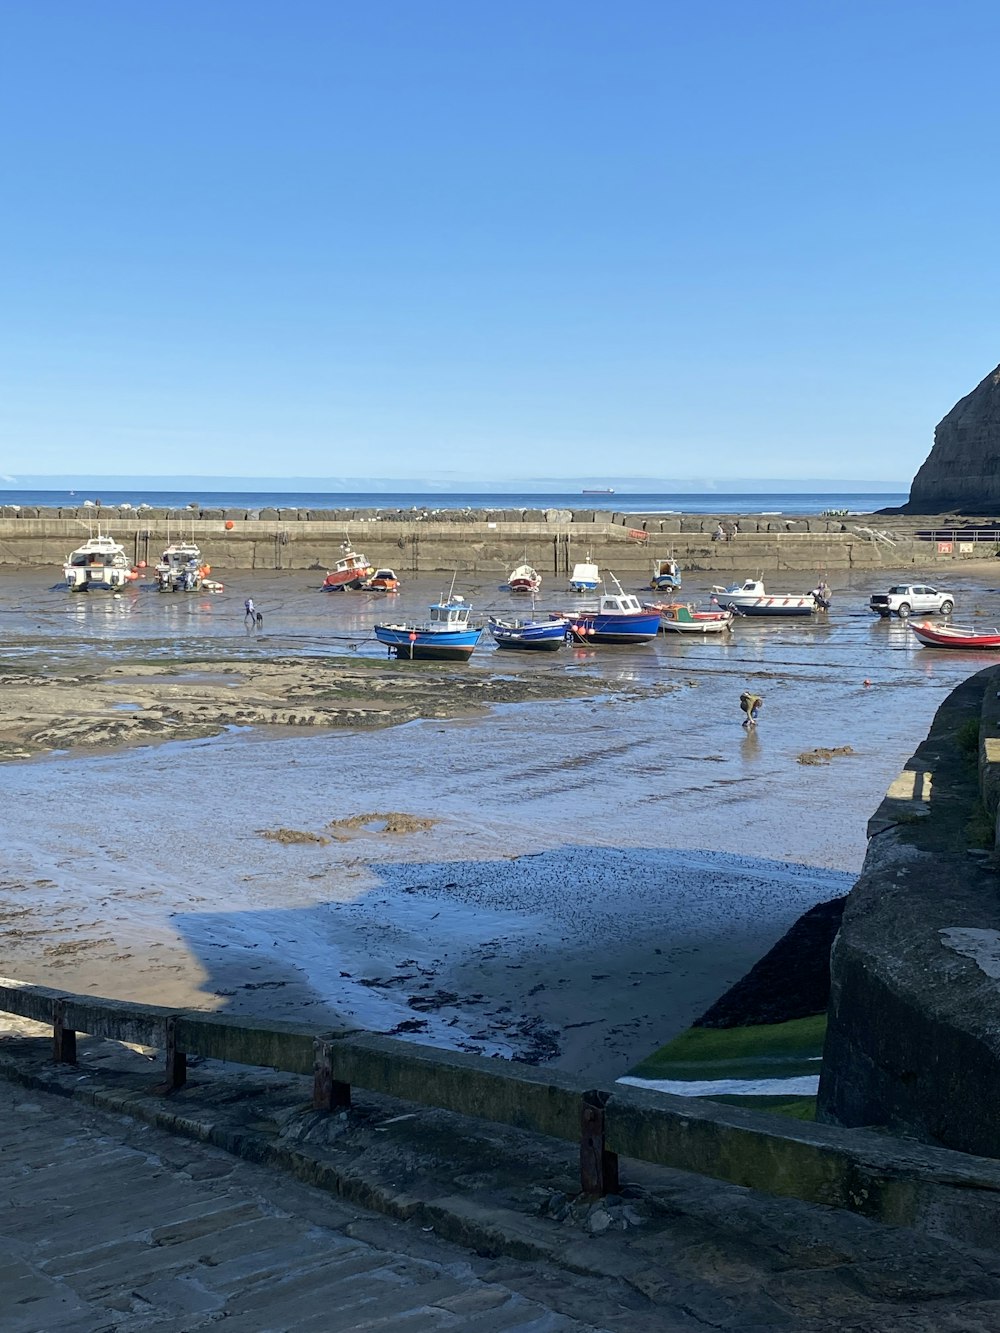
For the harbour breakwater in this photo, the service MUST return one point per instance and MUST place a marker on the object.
(487, 542)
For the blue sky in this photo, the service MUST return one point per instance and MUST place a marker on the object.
(491, 242)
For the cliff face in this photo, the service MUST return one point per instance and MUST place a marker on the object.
(962, 471)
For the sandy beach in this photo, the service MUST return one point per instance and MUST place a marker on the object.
(592, 849)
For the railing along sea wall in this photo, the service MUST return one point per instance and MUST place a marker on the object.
(885, 1179)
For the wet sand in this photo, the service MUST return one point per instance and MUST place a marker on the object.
(600, 862)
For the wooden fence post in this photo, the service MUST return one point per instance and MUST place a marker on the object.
(63, 1038)
(176, 1060)
(598, 1166)
(329, 1094)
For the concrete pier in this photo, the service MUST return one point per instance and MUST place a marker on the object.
(488, 542)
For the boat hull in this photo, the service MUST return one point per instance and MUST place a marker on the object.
(353, 580)
(428, 645)
(950, 638)
(597, 627)
(546, 636)
(789, 605)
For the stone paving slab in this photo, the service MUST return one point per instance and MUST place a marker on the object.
(110, 1223)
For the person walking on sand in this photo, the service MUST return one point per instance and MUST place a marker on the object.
(751, 705)
(249, 610)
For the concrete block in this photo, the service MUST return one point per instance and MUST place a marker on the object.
(543, 1100)
(273, 1045)
(121, 1020)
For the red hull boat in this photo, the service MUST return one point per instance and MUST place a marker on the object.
(950, 636)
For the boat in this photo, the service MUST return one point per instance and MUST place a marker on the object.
(524, 579)
(98, 564)
(181, 568)
(953, 636)
(666, 575)
(384, 580)
(537, 635)
(607, 490)
(352, 570)
(676, 618)
(751, 599)
(585, 577)
(620, 618)
(446, 635)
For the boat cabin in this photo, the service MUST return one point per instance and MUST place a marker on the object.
(620, 603)
(453, 614)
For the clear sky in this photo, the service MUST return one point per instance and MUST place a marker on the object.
(483, 240)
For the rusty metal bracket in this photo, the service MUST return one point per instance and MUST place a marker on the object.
(329, 1094)
(63, 1038)
(598, 1166)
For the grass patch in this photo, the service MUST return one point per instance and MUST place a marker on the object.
(979, 829)
(967, 738)
(699, 1052)
(798, 1108)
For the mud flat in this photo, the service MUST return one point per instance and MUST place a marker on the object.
(46, 707)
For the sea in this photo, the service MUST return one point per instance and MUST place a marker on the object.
(637, 502)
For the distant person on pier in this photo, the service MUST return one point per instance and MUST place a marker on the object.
(719, 534)
(751, 706)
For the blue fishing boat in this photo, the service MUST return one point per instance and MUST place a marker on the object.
(447, 635)
(539, 635)
(619, 618)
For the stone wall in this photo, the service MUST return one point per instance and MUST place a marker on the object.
(480, 543)
(913, 1041)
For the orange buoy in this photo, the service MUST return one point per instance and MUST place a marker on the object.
(866, 682)
(142, 564)
(230, 525)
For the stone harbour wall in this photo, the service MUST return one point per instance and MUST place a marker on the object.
(486, 542)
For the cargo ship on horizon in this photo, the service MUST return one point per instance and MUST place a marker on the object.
(608, 490)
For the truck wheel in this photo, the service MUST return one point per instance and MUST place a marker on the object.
(904, 610)
(947, 608)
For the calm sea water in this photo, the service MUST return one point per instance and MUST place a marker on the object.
(715, 502)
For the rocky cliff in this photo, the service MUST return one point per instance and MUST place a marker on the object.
(962, 470)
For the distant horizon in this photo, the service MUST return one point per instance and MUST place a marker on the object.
(537, 485)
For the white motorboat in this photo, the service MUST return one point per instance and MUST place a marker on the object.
(524, 579)
(585, 577)
(750, 599)
(181, 569)
(99, 564)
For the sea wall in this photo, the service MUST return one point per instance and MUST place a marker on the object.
(913, 1036)
(486, 542)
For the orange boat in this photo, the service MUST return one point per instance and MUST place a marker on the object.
(384, 580)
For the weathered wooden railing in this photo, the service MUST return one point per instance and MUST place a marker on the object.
(891, 1180)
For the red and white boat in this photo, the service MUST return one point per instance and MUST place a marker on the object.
(352, 570)
(524, 579)
(952, 636)
(678, 618)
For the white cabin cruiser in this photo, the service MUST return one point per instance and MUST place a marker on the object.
(100, 563)
(181, 568)
(585, 577)
(750, 599)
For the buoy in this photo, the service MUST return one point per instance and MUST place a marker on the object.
(230, 525)
(142, 564)
(413, 637)
(866, 682)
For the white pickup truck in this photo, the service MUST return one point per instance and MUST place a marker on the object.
(912, 599)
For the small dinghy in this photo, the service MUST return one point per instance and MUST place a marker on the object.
(536, 635)
(952, 636)
(676, 618)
